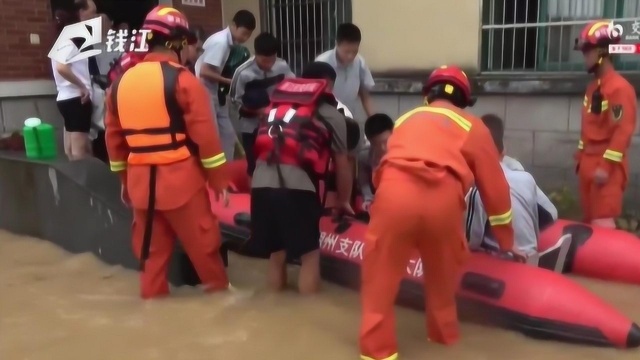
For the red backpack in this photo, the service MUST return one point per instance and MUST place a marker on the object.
(292, 133)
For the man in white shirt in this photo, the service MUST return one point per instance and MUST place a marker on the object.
(209, 69)
(528, 202)
(354, 80)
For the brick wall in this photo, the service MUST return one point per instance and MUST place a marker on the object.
(18, 58)
(209, 17)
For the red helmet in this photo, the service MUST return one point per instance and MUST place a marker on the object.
(598, 33)
(452, 76)
(170, 23)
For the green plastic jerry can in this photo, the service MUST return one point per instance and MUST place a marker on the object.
(39, 140)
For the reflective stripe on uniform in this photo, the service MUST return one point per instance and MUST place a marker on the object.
(580, 145)
(604, 105)
(452, 115)
(214, 161)
(392, 357)
(502, 219)
(613, 155)
(117, 166)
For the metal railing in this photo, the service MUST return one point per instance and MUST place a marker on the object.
(305, 28)
(538, 35)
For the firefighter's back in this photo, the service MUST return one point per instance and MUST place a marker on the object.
(429, 142)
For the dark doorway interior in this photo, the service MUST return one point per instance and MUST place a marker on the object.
(131, 12)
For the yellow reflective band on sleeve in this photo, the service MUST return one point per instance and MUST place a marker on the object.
(585, 101)
(580, 145)
(213, 161)
(501, 219)
(605, 105)
(452, 115)
(392, 357)
(117, 166)
(613, 155)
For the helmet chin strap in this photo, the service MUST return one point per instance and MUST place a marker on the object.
(594, 68)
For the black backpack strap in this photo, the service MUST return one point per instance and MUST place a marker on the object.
(170, 74)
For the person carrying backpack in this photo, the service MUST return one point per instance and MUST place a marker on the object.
(302, 131)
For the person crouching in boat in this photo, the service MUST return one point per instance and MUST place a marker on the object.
(433, 156)
(531, 207)
(302, 131)
(377, 129)
(162, 141)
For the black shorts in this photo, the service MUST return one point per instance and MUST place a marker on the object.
(76, 115)
(285, 219)
(248, 141)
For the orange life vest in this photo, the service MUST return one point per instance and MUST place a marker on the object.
(144, 99)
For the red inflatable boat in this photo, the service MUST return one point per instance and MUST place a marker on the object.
(601, 253)
(606, 254)
(534, 301)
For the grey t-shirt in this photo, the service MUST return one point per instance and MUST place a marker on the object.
(350, 78)
(266, 176)
(526, 198)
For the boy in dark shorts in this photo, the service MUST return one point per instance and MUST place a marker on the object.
(377, 129)
(285, 205)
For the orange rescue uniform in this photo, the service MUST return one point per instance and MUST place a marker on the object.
(608, 123)
(433, 156)
(159, 128)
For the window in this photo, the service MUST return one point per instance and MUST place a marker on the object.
(305, 28)
(538, 35)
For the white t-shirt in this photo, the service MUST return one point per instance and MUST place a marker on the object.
(67, 90)
(216, 51)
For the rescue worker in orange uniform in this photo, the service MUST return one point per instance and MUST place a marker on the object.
(162, 141)
(432, 158)
(608, 123)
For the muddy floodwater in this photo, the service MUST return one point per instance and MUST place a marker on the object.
(54, 305)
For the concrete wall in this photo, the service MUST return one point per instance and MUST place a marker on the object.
(420, 35)
(13, 112)
(542, 131)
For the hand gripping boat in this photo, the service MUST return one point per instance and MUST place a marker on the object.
(537, 302)
(601, 253)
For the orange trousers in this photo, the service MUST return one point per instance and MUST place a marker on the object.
(410, 214)
(197, 228)
(601, 201)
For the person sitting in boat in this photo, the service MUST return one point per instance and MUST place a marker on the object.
(530, 205)
(285, 206)
(377, 130)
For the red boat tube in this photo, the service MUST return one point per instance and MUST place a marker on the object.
(606, 254)
(534, 301)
